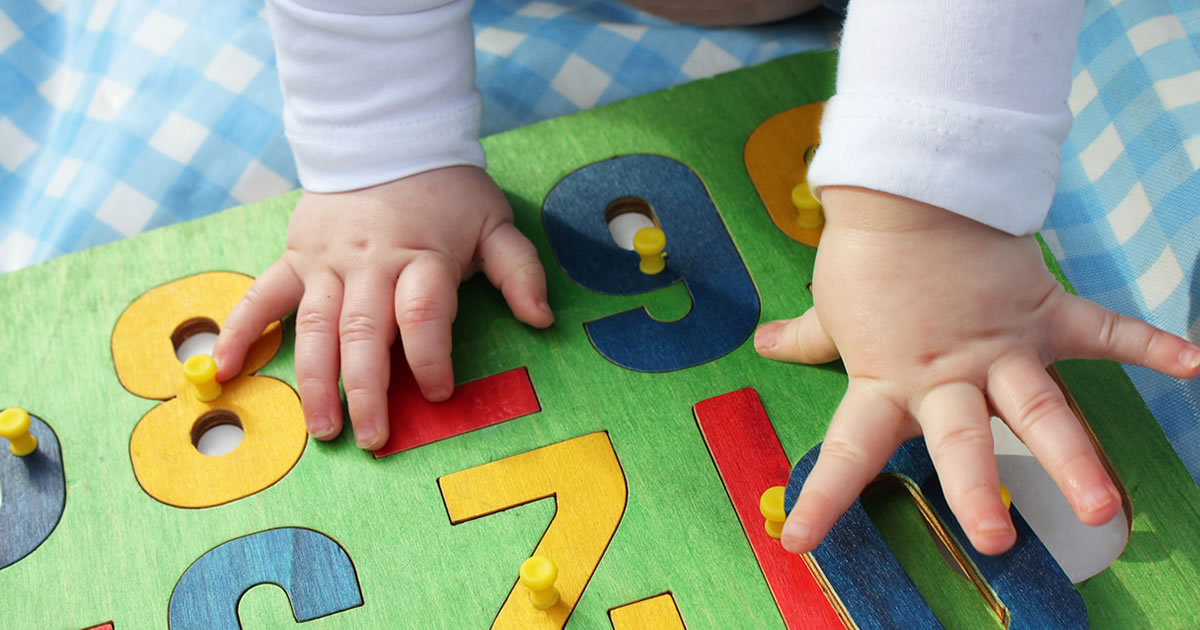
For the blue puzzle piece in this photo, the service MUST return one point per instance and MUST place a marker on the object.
(313, 569)
(878, 593)
(34, 494)
(700, 253)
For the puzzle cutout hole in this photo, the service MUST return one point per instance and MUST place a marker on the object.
(625, 217)
(195, 336)
(1081, 550)
(903, 520)
(217, 432)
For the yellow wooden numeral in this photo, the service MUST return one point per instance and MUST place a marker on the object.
(162, 448)
(659, 612)
(586, 480)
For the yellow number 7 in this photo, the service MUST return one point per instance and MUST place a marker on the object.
(588, 485)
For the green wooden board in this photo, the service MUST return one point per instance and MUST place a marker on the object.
(117, 553)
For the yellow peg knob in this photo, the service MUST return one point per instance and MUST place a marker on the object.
(808, 209)
(14, 427)
(649, 243)
(201, 370)
(538, 575)
(1005, 496)
(771, 506)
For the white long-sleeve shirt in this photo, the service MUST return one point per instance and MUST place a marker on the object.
(961, 104)
(957, 103)
(376, 90)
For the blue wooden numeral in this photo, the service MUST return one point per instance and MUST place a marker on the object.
(314, 571)
(33, 493)
(878, 593)
(700, 253)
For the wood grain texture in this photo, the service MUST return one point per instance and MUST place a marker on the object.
(142, 339)
(314, 571)
(775, 159)
(171, 469)
(165, 459)
(700, 254)
(414, 421)
(34, 494)
(659, 612)
(897, 516)
(117, 554)
(1024, 586)
(584, 477)
(748, 455)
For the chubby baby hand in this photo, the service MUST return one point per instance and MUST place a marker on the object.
(364, 264)
(940, 322)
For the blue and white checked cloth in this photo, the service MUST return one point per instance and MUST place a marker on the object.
(1126, 217)
(121, 116)
(117, 116)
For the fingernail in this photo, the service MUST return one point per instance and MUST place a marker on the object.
(766, 336)
(220, 361)
(992, 526)
(544, 306)
(1190, 357)
(319, 427)
(438, 394)
(364, 437)
(1096, 498)
(796, 533)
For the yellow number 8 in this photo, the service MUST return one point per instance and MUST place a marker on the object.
(163, 445)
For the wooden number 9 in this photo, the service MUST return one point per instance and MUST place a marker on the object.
(700, 253)
(165, 459)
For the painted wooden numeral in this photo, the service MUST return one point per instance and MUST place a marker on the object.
(476, 404)
(34, 493)
(659, 612)
(750, 459)
(312, 568)
(1025, 586)
(165, 459)
(700, 253)
(585, 479)
(777, 154)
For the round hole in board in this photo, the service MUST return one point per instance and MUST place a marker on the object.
(195, 336)
(625, 217)
(217, 432)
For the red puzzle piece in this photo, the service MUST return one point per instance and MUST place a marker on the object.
(750, 459)
(415, 421)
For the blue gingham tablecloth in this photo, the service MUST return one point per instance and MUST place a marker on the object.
(1125, 223)
(118, 116)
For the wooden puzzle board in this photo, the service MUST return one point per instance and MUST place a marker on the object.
(639, 498)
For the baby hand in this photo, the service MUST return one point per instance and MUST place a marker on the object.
(361, 264)
(940, 320)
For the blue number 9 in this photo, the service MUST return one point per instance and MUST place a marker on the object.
(700, 253)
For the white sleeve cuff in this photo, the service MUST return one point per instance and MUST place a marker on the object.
(378, 94)
(961, 105)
